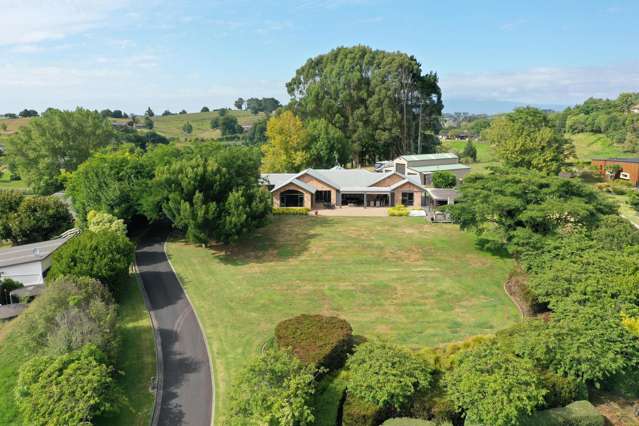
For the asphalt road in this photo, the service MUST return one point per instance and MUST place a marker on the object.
(185, 391)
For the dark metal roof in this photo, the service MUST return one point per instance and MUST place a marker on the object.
(620, 160)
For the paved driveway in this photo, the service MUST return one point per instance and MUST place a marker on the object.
(185, 389)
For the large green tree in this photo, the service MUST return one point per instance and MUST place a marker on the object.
(327, 145)
(379, 100)
(213, 193)
(57, 142)
(527, 138)
(286, 149)
(274, 388)
(36, 219)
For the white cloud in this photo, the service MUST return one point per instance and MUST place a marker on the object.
(34, 21)
(543, 85)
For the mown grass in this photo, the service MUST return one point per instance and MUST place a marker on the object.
(171, 125)
(13, 124)
(136, 361)
(398, 279)
(7, 183)
(485, 152)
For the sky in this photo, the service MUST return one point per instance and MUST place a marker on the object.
(490, 55)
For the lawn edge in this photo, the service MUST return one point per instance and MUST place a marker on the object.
(159, 358)
(199, 323)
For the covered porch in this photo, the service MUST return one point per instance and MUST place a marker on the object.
(366, 197)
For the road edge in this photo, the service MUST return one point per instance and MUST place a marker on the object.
(159, 358)
(197, 318)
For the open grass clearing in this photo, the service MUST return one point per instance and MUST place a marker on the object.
(592, 145)
(171, 125)
(399, 279)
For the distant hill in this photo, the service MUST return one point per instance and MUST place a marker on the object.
(492, 107)
(171, 125)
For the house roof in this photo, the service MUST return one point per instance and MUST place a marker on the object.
(439, 168)
(30, 252)
(619, 160)
(353, 180)
(422, 157)
(442, 194)
(297, 182)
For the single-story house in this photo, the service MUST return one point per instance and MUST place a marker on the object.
(29, 263)
(422, 166)
(628, 168)
(327, 188)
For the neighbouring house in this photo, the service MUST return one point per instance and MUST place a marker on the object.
(626, 168)
(635, 109)
(422, 166)
(29, 263)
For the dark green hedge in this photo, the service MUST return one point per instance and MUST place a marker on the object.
(579, 413)
(405, 421)
(316, 339)
(360, 413)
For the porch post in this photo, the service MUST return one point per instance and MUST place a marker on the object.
(365, 202)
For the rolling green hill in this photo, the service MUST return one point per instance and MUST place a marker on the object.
(593, 145)
(171, 125)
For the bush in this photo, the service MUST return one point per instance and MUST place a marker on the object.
(444, 180)
(405, 421)
(360, 413)
(100, 222)
(302, 211)
(69, 389)
(398, 210)
(625, 384)
(633, 200)
(386, 375)
(37, 219)
(580, 413)
(562, 390)
(104, 256)
(323, 342)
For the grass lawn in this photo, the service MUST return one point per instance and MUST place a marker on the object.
(399, 279)
(626, 209)
(171, 125)
(7, 183)
(592, 145)
(485, 152)
(136, 359)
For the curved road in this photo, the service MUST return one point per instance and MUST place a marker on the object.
(185, 391)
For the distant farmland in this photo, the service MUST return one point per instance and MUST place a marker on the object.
(171, 125)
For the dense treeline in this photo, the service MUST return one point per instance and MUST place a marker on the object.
(380, 101)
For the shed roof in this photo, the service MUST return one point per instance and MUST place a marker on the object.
(440, 168)
(29, 252)
(422, 157)
(619, 160)
(442, 193)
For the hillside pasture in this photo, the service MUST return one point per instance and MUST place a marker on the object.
(171, 125)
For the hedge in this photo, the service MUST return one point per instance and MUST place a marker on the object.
(301, 211)
(405, 421)
(359, 413)
(316, 339)
(579, 413)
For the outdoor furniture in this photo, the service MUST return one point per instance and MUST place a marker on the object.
(11, 311)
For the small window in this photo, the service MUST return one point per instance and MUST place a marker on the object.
(408, 198)
(323, 197)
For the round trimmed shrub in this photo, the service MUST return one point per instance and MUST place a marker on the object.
(405, 421)
(316, 339)
(361, 413)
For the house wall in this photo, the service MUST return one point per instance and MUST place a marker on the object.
(320, 186)
(408, 187)
(438, 162)
(631, 168)
(389, 181)
(26, 273)
(308, 197)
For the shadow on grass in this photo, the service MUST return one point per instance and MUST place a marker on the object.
(285, 237)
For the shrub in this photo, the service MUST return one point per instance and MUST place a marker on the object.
(302, 211)
(562, 390)
(444, 180)
(274, 388)
(386, 375)
(406, 421)
(633, 200)
(38, 219)
(398, 210)
(104, 256)
(69, 389)
(323, 342)
(100, 222)
(356, 412)
(579, 413)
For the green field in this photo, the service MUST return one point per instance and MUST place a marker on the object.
(591, 145)
(485, 154)
(399, 279)
(171, 125)
(7, 183)
(136, 361)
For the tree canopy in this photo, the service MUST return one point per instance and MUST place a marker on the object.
(285, 150)
(57, 142)
(380, 101)
(527, 138)
(34, 219)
